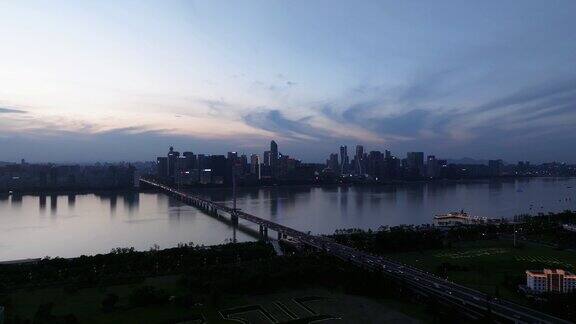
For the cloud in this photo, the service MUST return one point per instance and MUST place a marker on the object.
(531, 94)
(275, 121)
(4, 110)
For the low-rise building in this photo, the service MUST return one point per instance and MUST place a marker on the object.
(549, 280)
(458, 219)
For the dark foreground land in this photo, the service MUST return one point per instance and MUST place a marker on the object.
(485, 258)
(247, 282)
(221, 284)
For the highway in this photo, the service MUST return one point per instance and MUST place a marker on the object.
(473, 302)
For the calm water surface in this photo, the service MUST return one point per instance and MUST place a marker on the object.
(67, 226)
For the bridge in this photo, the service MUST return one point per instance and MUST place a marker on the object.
(471, 302)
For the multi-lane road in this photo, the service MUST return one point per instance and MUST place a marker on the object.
(471, 301)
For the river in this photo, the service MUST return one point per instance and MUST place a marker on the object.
(34, 226)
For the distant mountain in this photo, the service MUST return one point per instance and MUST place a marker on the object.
(467, 160)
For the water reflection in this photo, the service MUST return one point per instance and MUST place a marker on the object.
(131, 200)
(53, 204)
(16, 200)
(71, 201)
(144, 219)
(42, 203)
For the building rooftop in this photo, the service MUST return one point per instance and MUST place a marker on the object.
(547, 272)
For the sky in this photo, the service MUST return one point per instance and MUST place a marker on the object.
(85, 81)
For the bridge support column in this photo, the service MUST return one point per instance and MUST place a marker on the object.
(263, 233)
(279, 236)
(234, 219)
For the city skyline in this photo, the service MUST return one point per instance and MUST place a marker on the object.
(113, 81)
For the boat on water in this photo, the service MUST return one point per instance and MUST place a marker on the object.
(458, 219)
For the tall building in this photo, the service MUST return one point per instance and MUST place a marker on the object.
(431, 166)
(274, 158)
(267, 155)
(162, 166)
(218, 167)
(375, 165)
(359, 160)
(282, 170)
(255, 165)
(344, 159)
(332, 162)
(190, 160)
(172, 162)
(243, 164)
(495, 167)
(203, 162)
(415, 163)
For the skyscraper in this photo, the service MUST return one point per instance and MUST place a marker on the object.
(255, 165)
(267, 155)
(344, 159)
(415, 163)
(495, 167)
(431, 166)
(359, 160)
(274, 158)
(172, 160)
(162, 166)
(190, 160)
(332, 163)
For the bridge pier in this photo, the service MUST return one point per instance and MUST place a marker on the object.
(279, 236)
(263, 233)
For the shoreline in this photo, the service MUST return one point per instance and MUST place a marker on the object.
(281, 185)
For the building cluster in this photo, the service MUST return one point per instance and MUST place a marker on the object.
(41, 177)
(272, 166)
(189, 168)
(383, 166)
(550, 281)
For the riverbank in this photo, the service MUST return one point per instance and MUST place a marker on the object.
(214, 284)
(313, 184)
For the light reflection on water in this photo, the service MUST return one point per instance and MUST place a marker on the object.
(70, 225)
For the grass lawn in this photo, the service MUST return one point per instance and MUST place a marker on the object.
(86, 303)
(284, 306)
(486, 265)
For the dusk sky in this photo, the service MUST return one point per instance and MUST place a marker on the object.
(123, 80)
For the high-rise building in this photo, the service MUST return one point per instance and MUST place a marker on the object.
(344, 159)
(255, 165)
(172, 161)
(283, 165)
(332, 162)
(495, 167)
(162, 166)
(190, 160)
(243, 164)
(274, 158)
(359, 167)
(431, 166)
(203, 162)
(375, 165)
(232, 168)
(267, 155)
(232, 156)
(415, 163)
(218, 166)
